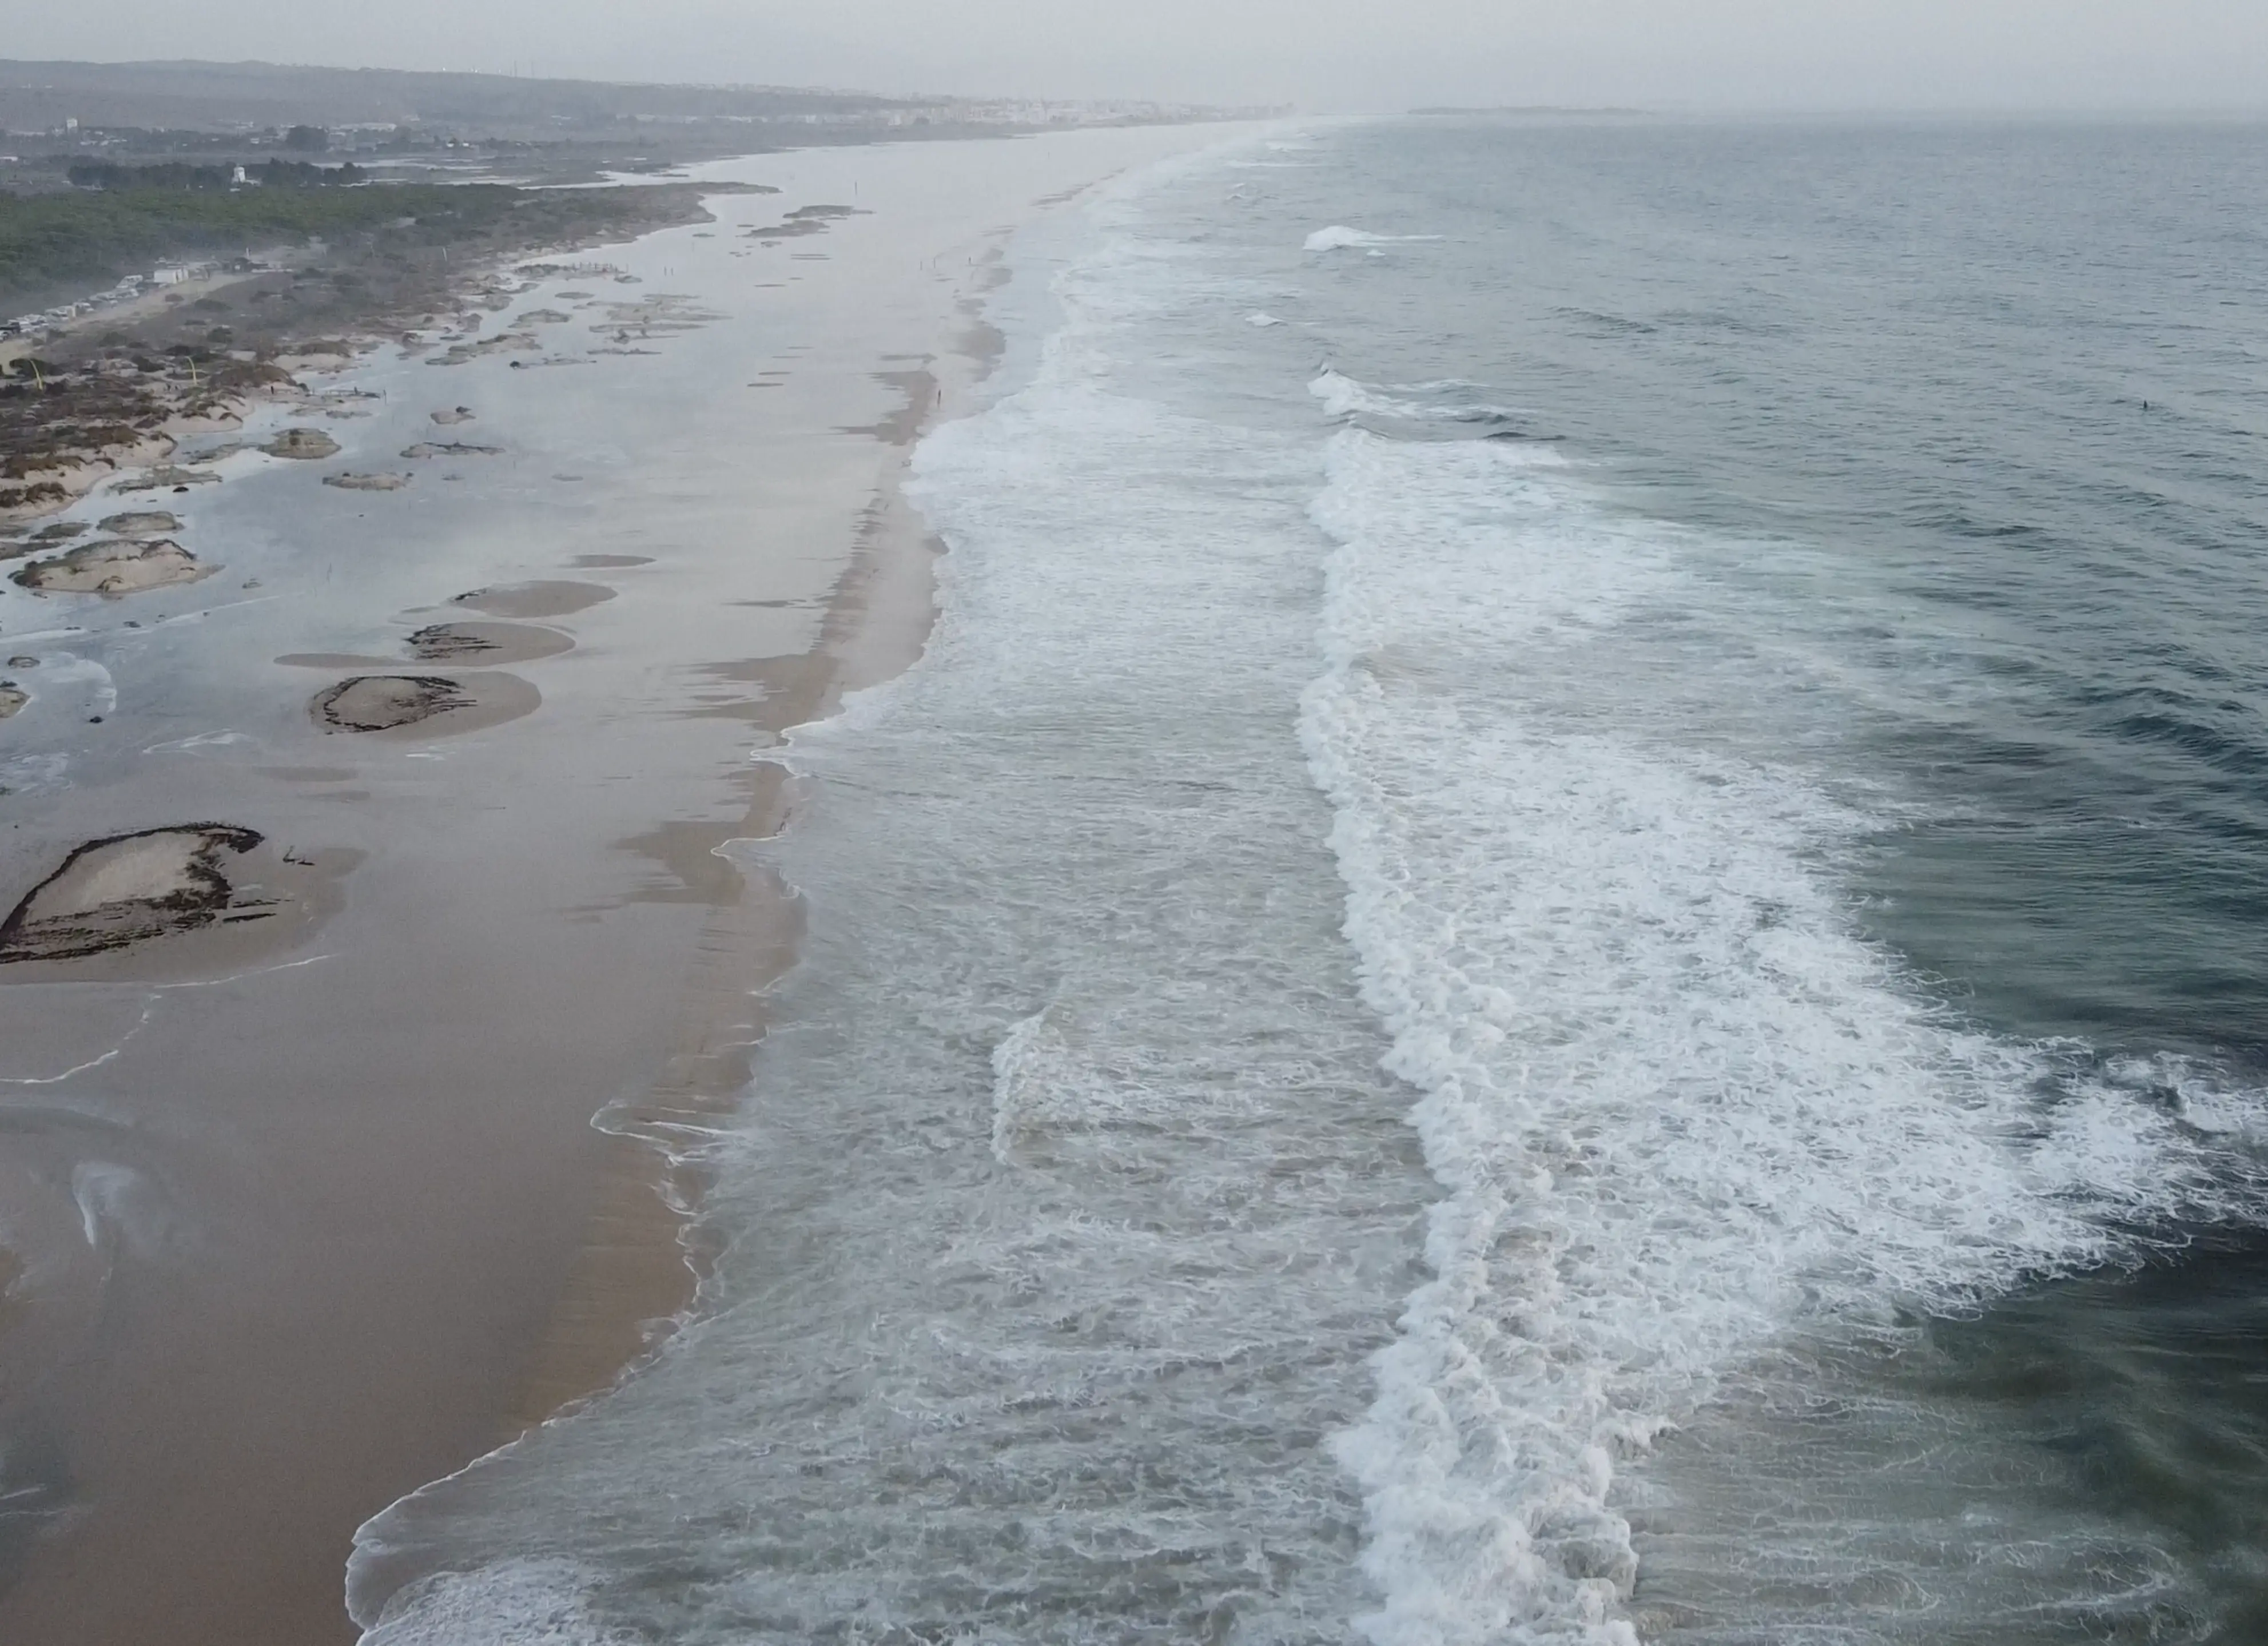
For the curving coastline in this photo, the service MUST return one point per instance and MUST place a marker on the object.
(401, 1240)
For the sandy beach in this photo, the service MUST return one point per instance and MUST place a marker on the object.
(368, 965)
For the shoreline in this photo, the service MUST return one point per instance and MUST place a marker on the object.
(414, 1281)
(637, 1278)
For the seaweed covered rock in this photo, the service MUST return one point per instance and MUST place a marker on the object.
(302, 443)
(113, 566)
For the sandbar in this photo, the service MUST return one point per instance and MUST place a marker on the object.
(432, 705)
(540, 599)
(487, 643)
(181, 900)
(125, 890)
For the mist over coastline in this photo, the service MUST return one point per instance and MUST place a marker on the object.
(1324, 55)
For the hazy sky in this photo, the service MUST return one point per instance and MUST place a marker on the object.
(1323, 53)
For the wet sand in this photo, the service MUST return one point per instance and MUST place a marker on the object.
(296, 1226)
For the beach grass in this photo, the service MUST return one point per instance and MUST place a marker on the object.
(87, 235)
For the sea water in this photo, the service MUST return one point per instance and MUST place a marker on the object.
(1562, 942)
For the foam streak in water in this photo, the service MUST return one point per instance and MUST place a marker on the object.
(1339, 237)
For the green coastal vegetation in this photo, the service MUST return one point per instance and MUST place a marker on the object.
(173, 174)
(91, 236)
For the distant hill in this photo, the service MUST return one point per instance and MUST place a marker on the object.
(37, 97)
(1529, 109)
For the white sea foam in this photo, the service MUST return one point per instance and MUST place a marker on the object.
(87, 683)
(1679, 1106)
(525, 1602)
(1340, 237)
(1343, 396)
(121, 1210)
(202, 740)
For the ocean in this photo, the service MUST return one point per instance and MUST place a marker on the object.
(1563, 941)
